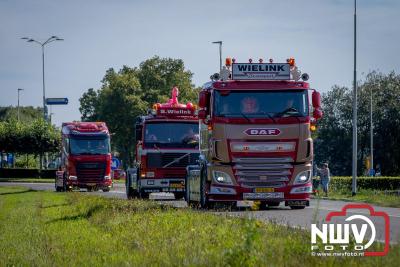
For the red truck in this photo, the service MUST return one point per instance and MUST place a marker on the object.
(255, 137)
(167, 142)
(85, 157)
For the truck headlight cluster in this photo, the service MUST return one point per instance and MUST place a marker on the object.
(71, 177)
(302, 177)
(222, 177)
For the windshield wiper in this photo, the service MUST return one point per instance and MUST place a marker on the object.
(267, 114)
(175, 160)
(244, 116)
(292, 109)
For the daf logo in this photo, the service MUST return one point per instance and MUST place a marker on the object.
(262, 131)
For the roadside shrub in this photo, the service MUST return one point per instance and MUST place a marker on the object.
(343, 183)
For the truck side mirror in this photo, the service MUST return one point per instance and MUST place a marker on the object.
(316, 100)
(317, 113)
(202, 114)
(138, 132)
(204, 98)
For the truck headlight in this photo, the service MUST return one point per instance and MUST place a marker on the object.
(107, 177)
(222, 177)
(71, 177)
(302, 177)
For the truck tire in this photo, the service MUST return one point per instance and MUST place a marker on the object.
(179, 195)
(58, 188)
(64, 187)
(143, 195)
(187, 190)
(130, 193)
(297, 207)
(106, 190)
(204, 203)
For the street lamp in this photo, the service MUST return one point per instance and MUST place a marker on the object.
(354, 169)
(42, 44)
(19, 90)
(220, 53)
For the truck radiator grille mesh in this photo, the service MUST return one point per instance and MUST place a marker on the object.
(263, 172)
(90, 171)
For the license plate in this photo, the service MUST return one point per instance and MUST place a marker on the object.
(263, 190)
(90, 184)
(263, 195)
(176, 185)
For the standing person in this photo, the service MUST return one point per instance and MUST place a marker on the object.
(325, 176)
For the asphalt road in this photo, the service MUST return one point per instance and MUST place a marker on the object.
(315, 213)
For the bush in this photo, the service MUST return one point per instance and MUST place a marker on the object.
(26, 173)
(343, 183)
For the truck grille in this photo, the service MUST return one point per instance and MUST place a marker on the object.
(158, 160)
(263, 172)
(90, 171)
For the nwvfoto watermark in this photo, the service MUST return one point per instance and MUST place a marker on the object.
(334, 239)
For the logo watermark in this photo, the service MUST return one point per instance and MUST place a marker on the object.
(354, 236)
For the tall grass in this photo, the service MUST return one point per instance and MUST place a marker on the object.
(70, 229)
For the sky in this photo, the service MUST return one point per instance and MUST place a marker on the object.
(100, 34)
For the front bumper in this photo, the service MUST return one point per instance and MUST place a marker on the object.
(151, 185)
(100, 184)
(237, 193)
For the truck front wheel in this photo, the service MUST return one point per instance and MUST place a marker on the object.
(297, 207)
(204, 203)
(131, 193)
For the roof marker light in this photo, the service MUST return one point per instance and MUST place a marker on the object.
(228, 62)
(233, 60)
(250, 60)
(260, 60)
(271, 60)
(291, 61)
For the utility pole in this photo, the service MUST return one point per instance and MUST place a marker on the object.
(372, 137)
(19, 90)
(354, 169)
(220, 53)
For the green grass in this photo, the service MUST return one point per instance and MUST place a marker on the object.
(27, 180)
(377, 197)
(70, 229)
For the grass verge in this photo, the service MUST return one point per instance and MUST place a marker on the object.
(27, 180)
(69, 229)
(377, 197)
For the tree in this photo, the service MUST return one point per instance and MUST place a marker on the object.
(334, 136)
(128, 93)
(26, 114)
(37, 137)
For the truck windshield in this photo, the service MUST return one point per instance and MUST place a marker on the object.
(89, 146)
(261, 104)
(171, 134)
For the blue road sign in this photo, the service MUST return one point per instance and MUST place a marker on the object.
(56, 101)
(115, 163)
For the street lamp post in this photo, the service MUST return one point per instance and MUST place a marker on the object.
(372, 137)
(354, 169)
(220, 53)
(42, 44)
(19, 90)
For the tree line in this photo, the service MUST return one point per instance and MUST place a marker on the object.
(333, 142)
(130, 92)
(34, 138)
